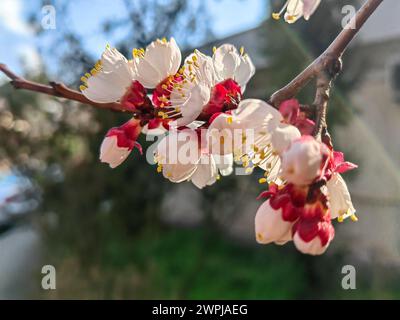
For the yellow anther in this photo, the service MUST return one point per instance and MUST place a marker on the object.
(108, 46)
(340, 218)
(84, 79)
(161, 114)
(290, 18)
(249, 170)
(276, 16)
(229, 120)
(218, 177)
(82, 87)
(164, 86)
(262, 180)
(177, 109)
(93, 72)
(164, 40)
(242, 51)
(194, 58)
(214, 49)
(169, 174)
(354, 218)
(87, 75)
(159, 168)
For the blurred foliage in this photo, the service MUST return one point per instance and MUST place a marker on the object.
(162, 263)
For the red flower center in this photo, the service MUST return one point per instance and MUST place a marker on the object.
(225, 96)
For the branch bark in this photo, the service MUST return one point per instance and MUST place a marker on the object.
(324, 69)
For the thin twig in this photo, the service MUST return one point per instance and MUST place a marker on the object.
(333, 53)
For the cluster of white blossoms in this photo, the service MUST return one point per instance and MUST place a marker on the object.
(207, 128)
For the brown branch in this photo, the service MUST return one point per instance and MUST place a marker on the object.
(54, 89)
(334, 52)
(324, 69)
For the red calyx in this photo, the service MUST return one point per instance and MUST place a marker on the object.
(127, 134)
(135, 97)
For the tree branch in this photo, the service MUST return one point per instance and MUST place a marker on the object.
(324, 68)
(332, 53)
(54, 89)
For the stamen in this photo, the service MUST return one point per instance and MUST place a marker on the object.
(262, 180)
(277, 15)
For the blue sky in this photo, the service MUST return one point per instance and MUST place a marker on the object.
(18, 44)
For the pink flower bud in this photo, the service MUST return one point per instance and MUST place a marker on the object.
(119, 142)
(312, 236)
(270, 225)
(304, 161)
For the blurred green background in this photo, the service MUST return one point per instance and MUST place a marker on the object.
(129, 234)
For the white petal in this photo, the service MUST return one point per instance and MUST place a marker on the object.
(273, 169)
(244, 72)
(313, 247)
(111, 82)
(283, 136)
(294, 11)
(224, 163)
(203, 69)
(270, 227)
(309, 7)
(226, 61)
(191, 109)
(146, 73)
(178, 154)
(160, 130)
(164, 56)
(253, 113)
(220, 135)
(339, 198)
(112, 154)
(206, 172)
(106, 87)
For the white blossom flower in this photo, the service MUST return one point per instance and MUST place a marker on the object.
(113, 75)
(341, 206)
(295, 9)
(208, 85)
(182, 157)
(230, 64)
(109, 79)
(255, 135)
